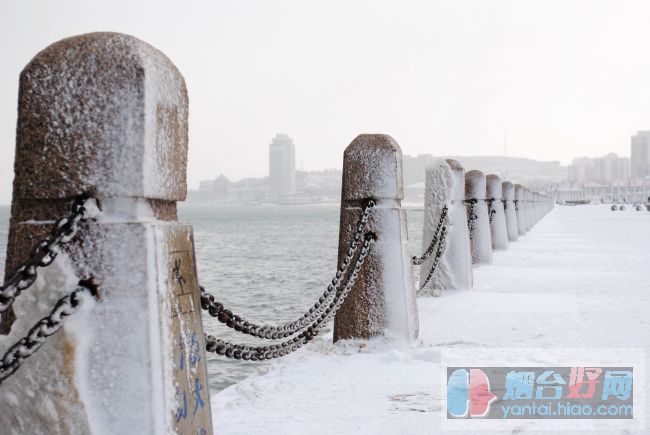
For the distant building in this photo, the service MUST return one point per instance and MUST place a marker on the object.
(581, 170)
(640, 154)
(605, 170)
(282, 166)
(213, 190)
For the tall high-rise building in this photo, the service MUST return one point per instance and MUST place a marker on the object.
(282, 166)
(640, 154)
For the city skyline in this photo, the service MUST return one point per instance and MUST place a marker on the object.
(445, 78)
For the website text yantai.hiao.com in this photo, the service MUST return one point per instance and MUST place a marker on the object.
(565, 409)
(545, 389)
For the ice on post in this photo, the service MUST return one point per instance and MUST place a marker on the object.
(382, 301)
(508, 191)
(478, 219)
(443, 190)
(497, 217)
(105, 115)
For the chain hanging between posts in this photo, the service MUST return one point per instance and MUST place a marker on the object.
(45, 328)
(516, 203)
(491, 210)
(471, 215)
(505, 204)
(45, 252)
(251, 353)
(436, 260)
(434, 241)
(236, 322)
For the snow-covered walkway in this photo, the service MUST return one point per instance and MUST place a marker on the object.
(579, 279)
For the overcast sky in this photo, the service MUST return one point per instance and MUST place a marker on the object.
(558, 78)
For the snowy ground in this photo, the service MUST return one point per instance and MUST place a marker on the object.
(579, 279)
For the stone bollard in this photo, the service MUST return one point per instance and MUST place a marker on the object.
(382, 301)
(520, 209)
(478, 219)
(509, 208)
(445, 186)
(496, 212)
(528, 207)
(105, 114)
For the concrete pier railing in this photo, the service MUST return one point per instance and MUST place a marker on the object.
(383, 297)
(497, 212)
(103, 125)
(478, 217)
(105, 115)
(444, 207)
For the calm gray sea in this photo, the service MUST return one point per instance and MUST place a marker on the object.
(267, 263)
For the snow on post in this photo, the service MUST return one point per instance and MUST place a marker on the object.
(528, 206)
(497, 214)
(520, 208)
(445, 186)
(509, 208)
(478, 219)
(105, 115)
(382, 301)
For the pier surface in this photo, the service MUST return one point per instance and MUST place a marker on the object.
(579, 279)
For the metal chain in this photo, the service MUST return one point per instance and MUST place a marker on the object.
(491, 210)
(505, 204)
(516, 203)
(236, 322)
(471, 216)
(44, 254)
(436, 260)
(44, 328)
(434, 241)
(250, 353)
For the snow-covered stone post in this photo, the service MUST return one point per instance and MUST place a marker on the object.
(520, 209)
(105, 115)
(445, 187)
(382, 301)
(528, 207)
(509, 208)
(497, 214)
(478, 217)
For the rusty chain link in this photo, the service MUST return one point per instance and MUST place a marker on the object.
(44, 254)
(45, 328)
(252, 353)
(216, 309)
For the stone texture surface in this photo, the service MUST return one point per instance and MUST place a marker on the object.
(102, 114)
(382, 301)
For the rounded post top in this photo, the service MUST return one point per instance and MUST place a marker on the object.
(508, 191)
(103, 114)
(372, 168)
(493, 186)
(519, 192)
(475, 187)
(455, 165)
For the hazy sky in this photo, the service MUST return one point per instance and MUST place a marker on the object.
(559, 78)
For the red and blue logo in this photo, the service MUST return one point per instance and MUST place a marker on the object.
(468, 394)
